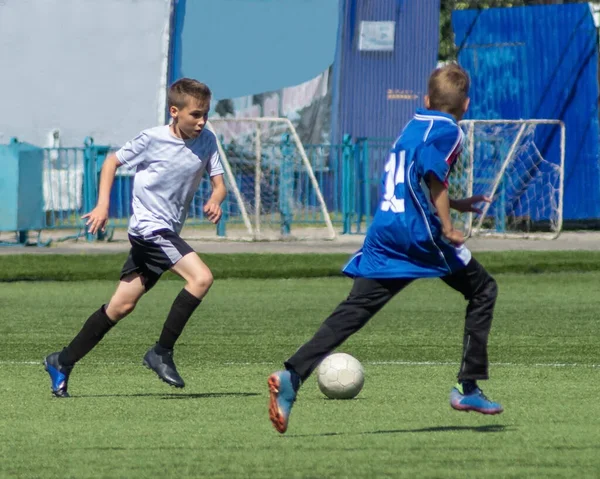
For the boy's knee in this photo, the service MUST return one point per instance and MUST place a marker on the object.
(201, 282)
(117, 311)
(489, 292)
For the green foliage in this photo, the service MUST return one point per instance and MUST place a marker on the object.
(224, 108)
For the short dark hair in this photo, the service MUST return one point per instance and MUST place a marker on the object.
(187, 87)
(448, 88)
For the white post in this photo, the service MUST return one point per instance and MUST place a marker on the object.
(509, 157)
(563, 135)
(470, 174)
(313, 180)
(305, 161)
(232, 182)
(257, 175)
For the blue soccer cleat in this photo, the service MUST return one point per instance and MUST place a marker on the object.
(282, 397)
(59, 375)
(476, 401)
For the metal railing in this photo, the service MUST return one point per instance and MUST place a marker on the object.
(347, 175)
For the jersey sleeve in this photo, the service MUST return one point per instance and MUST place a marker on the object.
(131, 153)
(214, 166)
(440, 150)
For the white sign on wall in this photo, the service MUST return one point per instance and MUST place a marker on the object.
(376, 36)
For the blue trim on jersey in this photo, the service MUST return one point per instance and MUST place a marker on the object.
(424, 215)
(424, 114)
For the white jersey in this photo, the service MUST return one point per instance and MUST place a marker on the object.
(168, 173)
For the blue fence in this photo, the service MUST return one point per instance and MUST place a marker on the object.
(380, 73)
(347, 176)
(68, 181)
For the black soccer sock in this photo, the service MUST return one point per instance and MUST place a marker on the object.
(184, 305)
(93, 330)
(468, 386)
(295, 378)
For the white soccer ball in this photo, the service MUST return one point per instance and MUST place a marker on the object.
(340, 376)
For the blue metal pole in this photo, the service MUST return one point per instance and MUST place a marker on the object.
(501, 209)
(90, 189)
(100, 154)
(286, 181)
(358, 183)
(347, 167)
(366, 183)
(222, 224)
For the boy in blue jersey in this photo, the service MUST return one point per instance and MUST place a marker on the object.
(411, 237)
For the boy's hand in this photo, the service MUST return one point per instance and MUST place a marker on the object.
(467, 205)
(455, 237)
(96, 219)
(213, 211)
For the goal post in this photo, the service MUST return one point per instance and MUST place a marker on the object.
(230, 179)
(276, 192)
(519, 164)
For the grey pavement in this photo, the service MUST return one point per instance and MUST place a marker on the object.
(588, 241)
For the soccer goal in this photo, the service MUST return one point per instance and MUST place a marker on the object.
(519, 164)
(274, 193)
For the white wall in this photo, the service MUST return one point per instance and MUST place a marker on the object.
(87, 67)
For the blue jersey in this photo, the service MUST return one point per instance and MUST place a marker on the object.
(405, 239)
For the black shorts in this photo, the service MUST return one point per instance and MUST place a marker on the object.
(152, 256)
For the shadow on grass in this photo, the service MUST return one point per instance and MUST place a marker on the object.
(168, 395)
(159, 447)
(485, 429)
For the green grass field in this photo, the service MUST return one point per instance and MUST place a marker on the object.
(123, 422)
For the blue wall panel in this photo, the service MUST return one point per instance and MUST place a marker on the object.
(542, 63)
(376, 92)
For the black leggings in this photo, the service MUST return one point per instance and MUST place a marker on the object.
(369, 295)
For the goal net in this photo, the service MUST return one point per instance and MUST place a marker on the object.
(519, 164)
(273, 191)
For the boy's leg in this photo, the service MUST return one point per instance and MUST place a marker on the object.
(366, 298)
(129, 291)
(480, 290)
(59, 364)
(198, 279)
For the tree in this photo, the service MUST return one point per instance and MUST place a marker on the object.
(225, 107)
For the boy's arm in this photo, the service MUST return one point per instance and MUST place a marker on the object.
(212, 208)
(97, 218)
(440, 151)
(467, 205)
(439, 194)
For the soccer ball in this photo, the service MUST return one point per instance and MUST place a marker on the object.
(340, 376)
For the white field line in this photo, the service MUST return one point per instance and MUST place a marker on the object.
(367, 363)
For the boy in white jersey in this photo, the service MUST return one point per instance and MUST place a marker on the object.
(170, 161)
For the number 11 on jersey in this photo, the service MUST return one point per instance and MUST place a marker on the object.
(394, 170)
